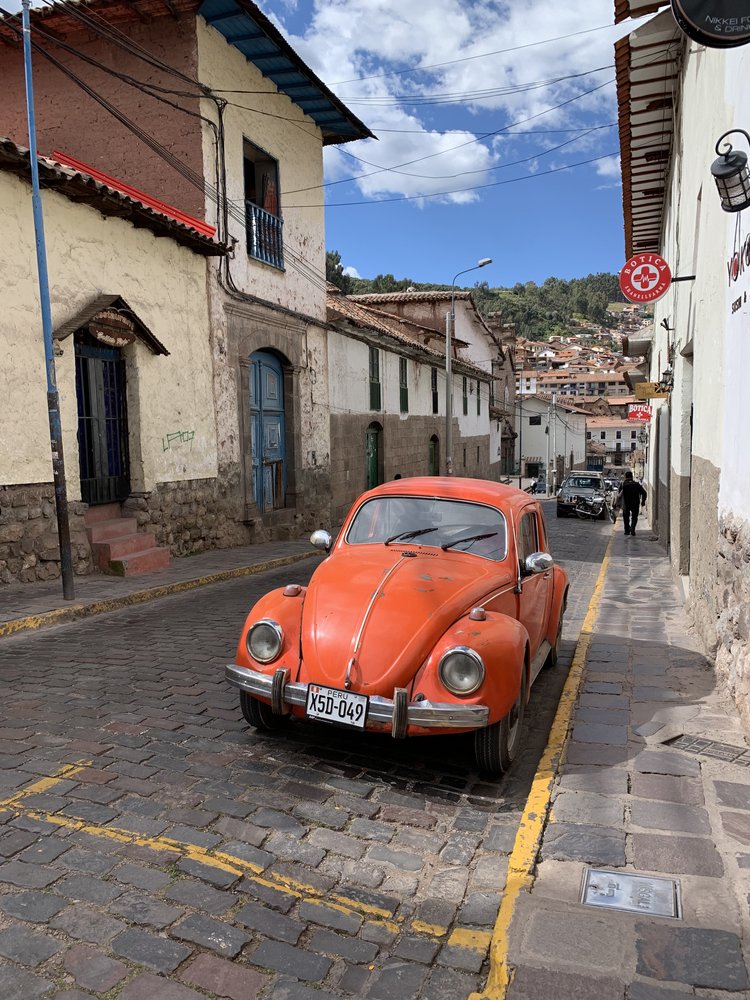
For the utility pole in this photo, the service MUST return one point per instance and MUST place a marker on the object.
(520, 440)
(547, 479)
(554, 442)
(53, 397)
(449, 320)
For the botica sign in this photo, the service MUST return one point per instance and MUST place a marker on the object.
(717, 24)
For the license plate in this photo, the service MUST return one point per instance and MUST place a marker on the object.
(331, 705)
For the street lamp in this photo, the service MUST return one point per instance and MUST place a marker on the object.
(731, 174)
(450, 323)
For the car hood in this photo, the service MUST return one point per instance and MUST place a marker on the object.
(387, 609)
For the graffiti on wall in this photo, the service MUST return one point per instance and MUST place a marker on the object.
(177, 438)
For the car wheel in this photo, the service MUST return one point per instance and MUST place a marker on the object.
(554, 653)
(260, 715)
(496, 746)
(560, 513)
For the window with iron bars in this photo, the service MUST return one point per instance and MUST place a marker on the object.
(403, 383)
(434, 386)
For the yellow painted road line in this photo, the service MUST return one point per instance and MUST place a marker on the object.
(44, 785)
(528, 838)
(211, 858)
(74, 612)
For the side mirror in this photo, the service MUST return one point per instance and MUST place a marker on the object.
(538, 562)
(321, 540)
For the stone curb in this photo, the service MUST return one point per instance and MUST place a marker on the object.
(77, 611)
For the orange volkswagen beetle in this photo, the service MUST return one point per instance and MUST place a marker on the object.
(434, 612)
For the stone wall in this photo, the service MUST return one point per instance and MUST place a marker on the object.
(29, 545)
(203, 514)
(702, 604)
(406, 450)
(733, 625)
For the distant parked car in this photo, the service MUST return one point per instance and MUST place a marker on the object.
(575, 486)
(434, 612)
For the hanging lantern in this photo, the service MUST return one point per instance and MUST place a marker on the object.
(731, 175)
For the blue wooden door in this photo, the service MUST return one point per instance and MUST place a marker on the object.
(267, 431)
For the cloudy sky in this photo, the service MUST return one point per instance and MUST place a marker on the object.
(478, 106)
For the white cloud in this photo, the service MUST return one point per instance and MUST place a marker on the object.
(355, 40)
(352, 272)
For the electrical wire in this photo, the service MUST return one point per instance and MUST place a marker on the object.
(481, 55)
(477, 187)
(297, 262)
(485, 170)
(461, 145)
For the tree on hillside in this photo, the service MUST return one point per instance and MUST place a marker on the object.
(335, 272)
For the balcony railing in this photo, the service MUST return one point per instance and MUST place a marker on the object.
(264, 238)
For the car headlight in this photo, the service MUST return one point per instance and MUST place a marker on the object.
(264, 640)
(461, 670)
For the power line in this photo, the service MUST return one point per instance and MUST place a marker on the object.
(484, 170)
(470, 96)
(461, 145)
(297, 262)
(481, 55)
(478, 187)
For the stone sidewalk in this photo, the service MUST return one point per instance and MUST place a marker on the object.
(31, 605)
(654, 780)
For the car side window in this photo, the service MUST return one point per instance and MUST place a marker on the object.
(528, 539)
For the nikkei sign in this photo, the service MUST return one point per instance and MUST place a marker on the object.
(639, 411)
(718, 24)
(645, 278)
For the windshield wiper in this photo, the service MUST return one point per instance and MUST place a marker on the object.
(408, 534)
(469, 538)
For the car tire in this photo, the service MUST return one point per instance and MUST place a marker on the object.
(561, 513)
(260, 715)
(554, 654)
(496, 746)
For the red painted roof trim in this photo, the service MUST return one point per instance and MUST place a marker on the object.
(159, 206)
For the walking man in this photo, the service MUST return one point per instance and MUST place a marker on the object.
(632, 498)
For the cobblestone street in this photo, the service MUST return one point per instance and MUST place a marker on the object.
(156, 847)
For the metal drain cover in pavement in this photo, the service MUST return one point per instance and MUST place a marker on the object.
(650, 894)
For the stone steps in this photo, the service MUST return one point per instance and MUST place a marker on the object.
(118, 547)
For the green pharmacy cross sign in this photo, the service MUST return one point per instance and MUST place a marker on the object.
(718, 24)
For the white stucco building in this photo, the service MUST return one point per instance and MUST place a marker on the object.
(135, 416)
(700, 349)
(551, 438)
(237, 146)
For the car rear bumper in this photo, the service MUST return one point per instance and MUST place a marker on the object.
(396, 712)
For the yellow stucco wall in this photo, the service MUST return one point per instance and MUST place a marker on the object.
(281, 129)
(165, 285)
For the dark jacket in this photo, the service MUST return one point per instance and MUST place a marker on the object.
(631, 494)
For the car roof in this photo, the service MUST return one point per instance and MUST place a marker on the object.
(454, 488)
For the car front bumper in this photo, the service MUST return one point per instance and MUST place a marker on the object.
(396, 712)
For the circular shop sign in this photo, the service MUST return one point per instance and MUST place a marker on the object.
(718, 24)
(645, 278)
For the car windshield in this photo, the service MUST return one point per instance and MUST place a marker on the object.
(430, 521)
(583, 483)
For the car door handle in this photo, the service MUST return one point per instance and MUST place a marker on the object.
(546, 576)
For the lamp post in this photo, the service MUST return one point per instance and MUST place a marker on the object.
(731, 174)
(450, 323)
